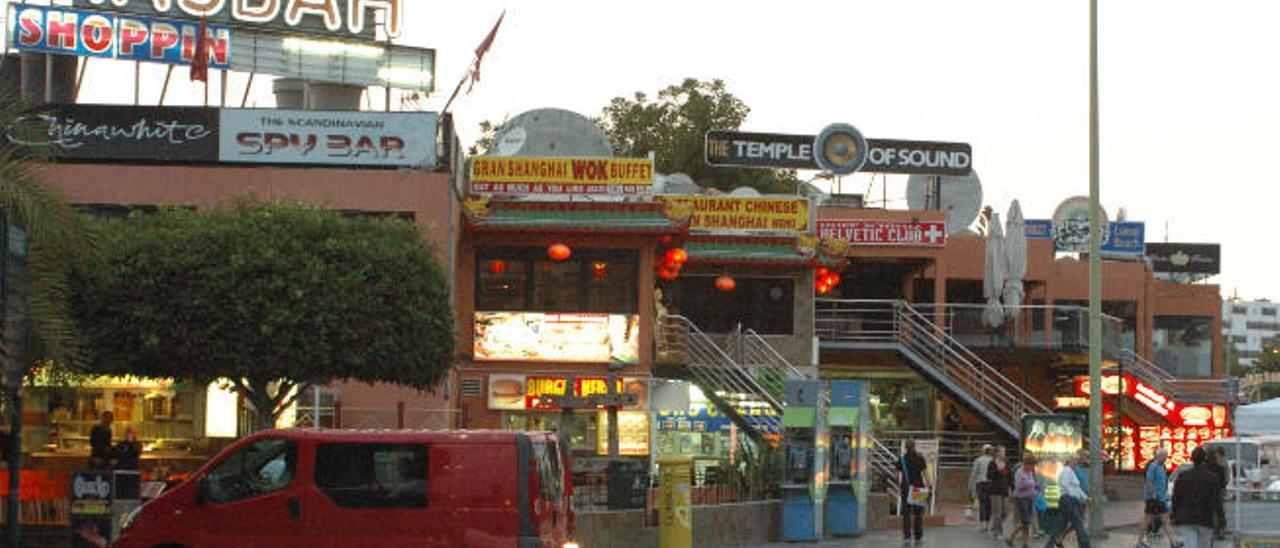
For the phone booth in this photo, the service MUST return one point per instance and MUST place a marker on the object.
(846, 503)
(805, 478)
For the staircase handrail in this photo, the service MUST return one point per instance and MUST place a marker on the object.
(883, 459)
(712, 360)
(1008, 397)
(1184, 389)
(757, 345)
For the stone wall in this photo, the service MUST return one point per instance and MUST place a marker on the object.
(718, 525)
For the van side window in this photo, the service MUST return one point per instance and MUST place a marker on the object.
(550, 484)
(373, 475)
(257, 469)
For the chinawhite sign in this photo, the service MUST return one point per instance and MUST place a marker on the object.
(889, 233)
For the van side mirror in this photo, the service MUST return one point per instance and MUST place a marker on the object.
(202, 490)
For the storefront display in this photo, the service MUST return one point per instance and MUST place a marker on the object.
(1052, 439)
(633, 433)
(532, 336)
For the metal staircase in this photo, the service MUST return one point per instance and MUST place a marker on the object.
(896, 326)
(731, 386)
(1184, 390)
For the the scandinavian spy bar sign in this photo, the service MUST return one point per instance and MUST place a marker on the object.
(777, 150)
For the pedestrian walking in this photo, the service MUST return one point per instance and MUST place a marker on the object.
(912, 467)
(1155, 497)
(998, 487)
(978, 486)
(1071, 503)
(1194, 509)
(1217, 464)
(1025, 489)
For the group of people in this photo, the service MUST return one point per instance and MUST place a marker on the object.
(994, 482)
(105, 455)
(1194, 512)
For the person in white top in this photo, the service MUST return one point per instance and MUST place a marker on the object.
(978, 486)
(1071, 503)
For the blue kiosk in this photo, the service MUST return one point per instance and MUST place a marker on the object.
(806, 440)
(847, 419)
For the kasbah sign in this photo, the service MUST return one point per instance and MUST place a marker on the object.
(263, 12)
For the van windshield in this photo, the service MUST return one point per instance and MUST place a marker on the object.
(1248, 451)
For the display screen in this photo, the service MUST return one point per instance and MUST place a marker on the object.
(543, 337)
(1052, 439)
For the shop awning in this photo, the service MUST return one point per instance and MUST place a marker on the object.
(756, 251)
(612, 217)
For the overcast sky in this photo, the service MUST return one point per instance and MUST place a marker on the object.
(1189, 90)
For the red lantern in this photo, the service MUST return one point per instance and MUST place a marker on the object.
(676, 255)
(667, 275)
(599, 270)
(822, 288)
(832, 279)
(497, 267)
(559, 252)
(666, 239)
(822, 273)
(725, 283)
(672, 266)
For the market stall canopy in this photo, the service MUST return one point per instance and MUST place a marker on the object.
(1259, 418)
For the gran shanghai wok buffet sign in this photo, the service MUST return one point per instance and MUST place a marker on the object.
(112, 36)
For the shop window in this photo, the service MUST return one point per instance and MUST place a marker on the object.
(766, 305)
(1268, 312)
(260, 468)
(524, 280)
(1184, 345)
(366, 475)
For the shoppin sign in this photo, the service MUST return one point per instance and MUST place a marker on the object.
(94, 34)
(347, 17)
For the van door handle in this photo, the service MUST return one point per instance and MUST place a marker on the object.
(295, 509)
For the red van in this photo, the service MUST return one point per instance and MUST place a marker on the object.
(393, 488)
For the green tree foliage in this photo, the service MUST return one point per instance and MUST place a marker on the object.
(57, 238)
(1269, 360)
(674, 128)
(272, 297)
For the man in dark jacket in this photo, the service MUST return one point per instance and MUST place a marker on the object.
(1193, 502)
(1218, 464)
(912, 468)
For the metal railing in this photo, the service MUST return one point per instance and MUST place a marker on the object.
(771, 369)
(956, 450)
(884, 467)
(1187, 390)
(895, 324)
(714, 370)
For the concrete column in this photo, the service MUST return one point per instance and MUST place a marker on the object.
(939, 292)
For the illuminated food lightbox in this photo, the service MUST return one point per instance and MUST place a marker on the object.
(546, 337)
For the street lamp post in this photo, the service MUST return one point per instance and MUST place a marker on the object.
(1095, 291)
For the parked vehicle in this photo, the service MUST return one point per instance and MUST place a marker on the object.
(1257, 465)
(393, 488)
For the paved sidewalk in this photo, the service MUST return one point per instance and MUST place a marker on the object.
(960, 536)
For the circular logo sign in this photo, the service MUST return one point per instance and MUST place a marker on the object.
(840, 149)
(1071, 224)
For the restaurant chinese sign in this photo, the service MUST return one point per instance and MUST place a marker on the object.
(513, 175)
(885, 233)
(725, 213)
(117, 36)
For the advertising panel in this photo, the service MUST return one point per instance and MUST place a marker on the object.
(112, 36)
(1052, 439)
(388, 139)
(723, 213)
(785, 151)
(90, 517)
(889, 233)
(120, 132)
(525, 392)
(541, 337)
(510, 175)
(633, 433)
(292, 56)
(1120, 238)
(1189, 258)
(333, 18)
(702, 419)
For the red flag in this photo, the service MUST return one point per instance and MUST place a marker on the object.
(483, 49)
(200, 64)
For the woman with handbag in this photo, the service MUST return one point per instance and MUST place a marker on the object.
(914, 494)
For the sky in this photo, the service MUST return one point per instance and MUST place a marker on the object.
(1188, 91)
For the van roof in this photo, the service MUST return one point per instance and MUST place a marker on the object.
(400, 436)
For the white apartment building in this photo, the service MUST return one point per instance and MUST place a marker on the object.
(1247, 325)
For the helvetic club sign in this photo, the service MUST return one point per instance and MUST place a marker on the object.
(352, 17)
(777, 150)
(95, 34)
(887, 233)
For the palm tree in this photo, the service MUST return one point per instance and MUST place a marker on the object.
(41, 238)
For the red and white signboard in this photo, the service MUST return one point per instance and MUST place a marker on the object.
(889, 233)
